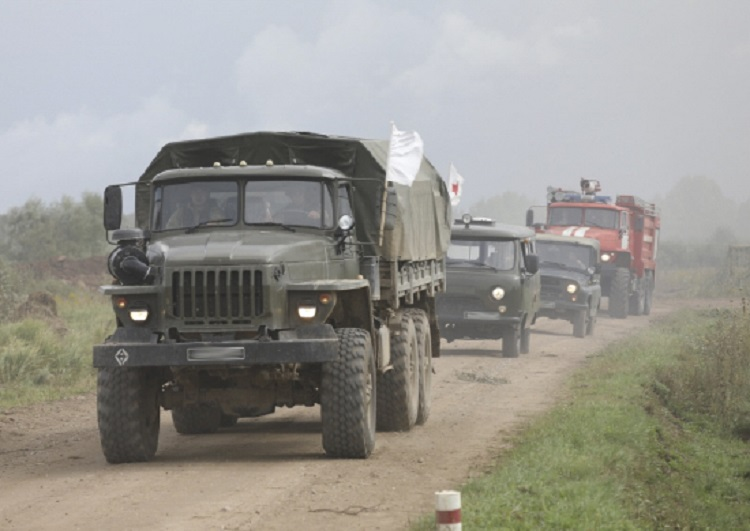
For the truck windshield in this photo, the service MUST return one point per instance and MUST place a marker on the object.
(499, 255)
(186, 205)
(288, 202)
(565, 216)
(599, 217)
(563, 255)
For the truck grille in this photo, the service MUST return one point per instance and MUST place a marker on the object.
(552, 288)
(217, 296)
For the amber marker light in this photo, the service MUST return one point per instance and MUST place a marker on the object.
(121, 303)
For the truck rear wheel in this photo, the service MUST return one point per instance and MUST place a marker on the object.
(347, 397)
(510, 343)
(525, 346)
(127, 402)
(196, 418)
(398, 388)
(424, 340)
(619, 293)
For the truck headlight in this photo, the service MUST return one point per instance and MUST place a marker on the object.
(606, 257)
(138, 315)
(571, 288)
(497, 293)
(306, 312)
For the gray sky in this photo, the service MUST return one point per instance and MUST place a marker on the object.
(518, 95)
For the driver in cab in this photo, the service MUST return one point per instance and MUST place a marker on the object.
(197, 209)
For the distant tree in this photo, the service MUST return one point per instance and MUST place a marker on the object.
(37, 232)
(508, 207)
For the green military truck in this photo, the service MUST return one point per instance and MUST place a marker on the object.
(571, 285)
(232, 296)
(493, 285)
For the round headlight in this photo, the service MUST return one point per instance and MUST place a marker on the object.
(572, 288)
(606, 257)
(466, 218)
(498, 293)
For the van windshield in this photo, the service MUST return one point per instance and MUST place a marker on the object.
(498, 254)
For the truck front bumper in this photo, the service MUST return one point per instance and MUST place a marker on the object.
(138, 348)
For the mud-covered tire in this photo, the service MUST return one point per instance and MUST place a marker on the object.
(347, 397)
(510, 343)
(579, 323)
(398, 388)
(128, 413)
(196, 418)
(619, 298)
(424, 340)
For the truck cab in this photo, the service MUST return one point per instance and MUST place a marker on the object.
(493, 288)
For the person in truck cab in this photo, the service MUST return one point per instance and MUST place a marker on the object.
(198, 208)
(303, 207)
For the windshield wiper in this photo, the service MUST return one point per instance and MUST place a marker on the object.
(194, 228)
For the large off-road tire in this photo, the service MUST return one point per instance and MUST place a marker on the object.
(347, 397)
(398, 388)
(127, 402)
(525, 341)
(196, 418)
(648, 302)
(579, 323)
(424, 341)
(227, 421)
(510, 343)
(619, 293)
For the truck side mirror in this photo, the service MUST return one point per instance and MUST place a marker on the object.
(638, 223)
(529, 218)
(531, 262)
(112, 207)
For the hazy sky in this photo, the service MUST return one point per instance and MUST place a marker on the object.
(518, 95)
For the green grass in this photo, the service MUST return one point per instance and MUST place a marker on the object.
(638, 445)
(50, 358)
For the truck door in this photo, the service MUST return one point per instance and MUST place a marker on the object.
(624, 231)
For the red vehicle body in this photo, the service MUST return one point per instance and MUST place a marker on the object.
(628, 231)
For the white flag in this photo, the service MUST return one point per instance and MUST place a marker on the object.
(405, 153)
(455, 185)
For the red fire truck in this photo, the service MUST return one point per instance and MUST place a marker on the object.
(628, 231)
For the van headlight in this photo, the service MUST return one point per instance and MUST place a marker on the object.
(571, 288)
(497, 293)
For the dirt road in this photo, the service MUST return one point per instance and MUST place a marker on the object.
(270, 473)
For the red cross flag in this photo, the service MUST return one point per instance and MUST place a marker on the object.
(455, 185)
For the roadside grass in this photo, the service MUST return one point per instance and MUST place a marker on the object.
(48, 358)
(653, 434)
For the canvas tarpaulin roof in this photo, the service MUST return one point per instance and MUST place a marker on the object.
(422, 225)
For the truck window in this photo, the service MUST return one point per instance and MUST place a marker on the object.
(186, 204)
(500, 255)
(599, 217)
(292, 202)
(564, 216)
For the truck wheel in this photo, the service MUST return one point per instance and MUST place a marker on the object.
(347, 397)
(227, 421)
(127, 403)
(579, 323)
(424, 340)
(510, 343)
(196, 418)
(647, 303)
(618, 294)
(398, 388)
(525, 340)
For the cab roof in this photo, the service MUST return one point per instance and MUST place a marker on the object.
(495, 231)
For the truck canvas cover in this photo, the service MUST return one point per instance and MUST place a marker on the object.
(422, 224)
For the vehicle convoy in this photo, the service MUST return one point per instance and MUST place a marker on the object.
(628, 232)
(267, 270)
(493, 285)
(570, 276)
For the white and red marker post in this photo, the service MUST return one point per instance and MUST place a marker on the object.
(448, 510)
